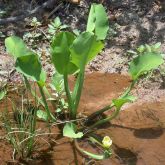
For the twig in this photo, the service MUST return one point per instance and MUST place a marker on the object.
(68, 121)
(43, 134)
(13, 155)
(43, 33)
(54, 10)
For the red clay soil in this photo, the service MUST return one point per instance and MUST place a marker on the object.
(138, 133)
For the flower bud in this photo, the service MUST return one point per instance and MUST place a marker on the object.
(107, 142)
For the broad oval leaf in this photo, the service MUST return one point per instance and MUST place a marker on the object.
(60, 51)
(29, 66)
(98, 21)
(69, 131)
(144, 63)
(16, 47)
(84, 48)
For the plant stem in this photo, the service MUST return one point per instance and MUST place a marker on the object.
(68, 95)
(75, 154)
(49, 95)
(50, 116)
(33, 118)
(116, 112)
(103, 121)
(74, 100)
(88, 154)
(32, 92)
(97, 113)
(128, 89)
(78, 94)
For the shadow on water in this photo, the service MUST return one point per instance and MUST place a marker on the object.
(125, 156)
(143, 133)
(148, 133)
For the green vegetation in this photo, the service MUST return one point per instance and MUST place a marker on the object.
(70, 54)
(21, 128)
(56, 26)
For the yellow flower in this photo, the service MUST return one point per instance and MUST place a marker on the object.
(107, 142)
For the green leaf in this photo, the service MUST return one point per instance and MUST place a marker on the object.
(58, 110)
(71, 68)
(131, 52)
(76, 32)
(42, 80)
(148, 48)
(42, 115)
(84, 48)
(64, 26)
(91, 19)
(58, 82)
(157, 45)
(102, 26)
(144, 63)
(16, 47)
(122, 100)
(2, 94)
(29, 66)
(60, 51)
(141, 49)
(57, 22)
(69, 131)
(98, 21)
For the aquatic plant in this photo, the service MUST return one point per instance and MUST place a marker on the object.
(70, 54)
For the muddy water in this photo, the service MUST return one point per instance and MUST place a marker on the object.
(138, 133)
(100, 88)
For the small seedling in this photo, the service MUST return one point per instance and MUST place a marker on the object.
(57, 86)
(35, 23)
(34, 36)
(55, 27)
(155, 48)
(150, 49)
